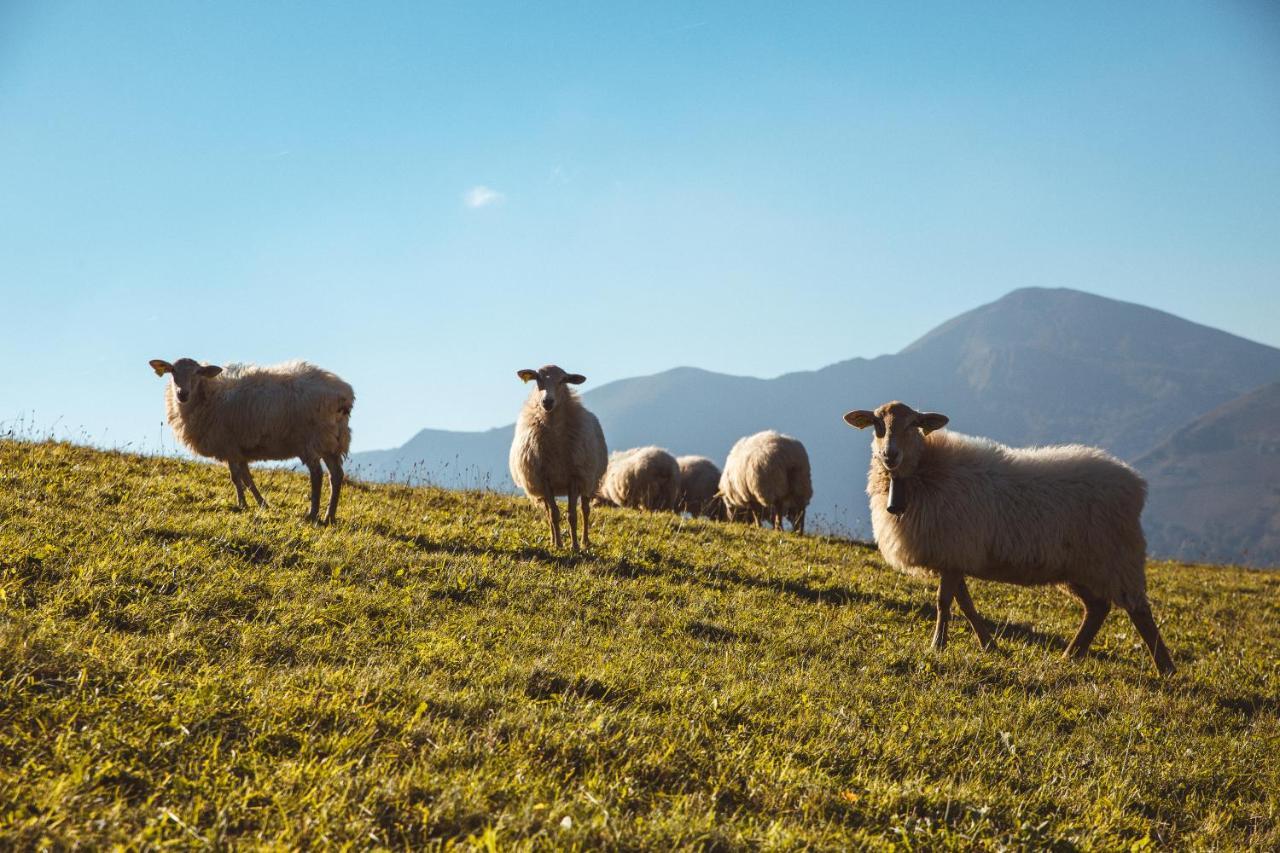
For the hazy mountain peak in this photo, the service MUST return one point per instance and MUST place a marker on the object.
(1215, 484)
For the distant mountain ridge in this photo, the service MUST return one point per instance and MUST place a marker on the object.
(1038, 366)
(1215, 484)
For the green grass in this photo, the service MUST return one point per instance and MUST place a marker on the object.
(174, 673)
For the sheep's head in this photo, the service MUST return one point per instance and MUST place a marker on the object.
(187, 374)
(898, 442)
(551, 381)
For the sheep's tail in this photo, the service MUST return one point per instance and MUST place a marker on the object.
(799, 481)
(343, 417)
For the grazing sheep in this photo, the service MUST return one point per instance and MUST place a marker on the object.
(245, 413)
(950, 505)
(641, 478)
(558, 449)
(699, 483)
(767, 477)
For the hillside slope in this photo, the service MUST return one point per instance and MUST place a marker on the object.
(1215, 484)
(1038, 366)
(176, 673)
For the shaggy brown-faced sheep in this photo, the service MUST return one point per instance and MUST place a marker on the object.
(950, 505)
(244, 413)
(558, 449)
(767, 476)
(641, 478)
(699, 482)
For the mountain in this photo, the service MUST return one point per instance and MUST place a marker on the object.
(1034, 367)
(1215, 484)
(459, 460)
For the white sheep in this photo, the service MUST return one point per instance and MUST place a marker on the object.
(766, 476)
(949, 505)
(558, 449)
(699, 483)
(244, 413)
(641, 478)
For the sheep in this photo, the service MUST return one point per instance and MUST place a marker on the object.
(767, 476)
(950, 505)
(699, 484)
(641, 478)
(558, 449)
(244, 413)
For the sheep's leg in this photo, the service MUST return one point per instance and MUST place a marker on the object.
(239, 484)
(317, 477)
(246, 476)
(798, 524)
(546, 512)
(1146, 625)
(586, 523)
(573, 516)
(976, 622)
(946, 591)
(553, 519)
(333, 462)
(1096, 609)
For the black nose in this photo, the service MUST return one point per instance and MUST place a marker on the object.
(182, 396)
(891, 458)
(547, 404)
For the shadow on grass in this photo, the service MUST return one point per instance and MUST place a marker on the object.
(428, 545)
(713, 633)
(1029, 636)
(255, 553)
(1250, 705)
(545, 684)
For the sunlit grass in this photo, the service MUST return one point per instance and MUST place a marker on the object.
(174, 672)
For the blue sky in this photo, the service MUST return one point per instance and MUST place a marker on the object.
(427, 197)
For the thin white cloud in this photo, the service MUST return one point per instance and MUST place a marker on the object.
(482, 196)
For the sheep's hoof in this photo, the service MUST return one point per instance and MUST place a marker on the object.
(989, 644)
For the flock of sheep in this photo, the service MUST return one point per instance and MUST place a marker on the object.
(943, 504)
(559, 450)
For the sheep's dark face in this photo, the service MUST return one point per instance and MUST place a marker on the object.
(898, 441)
(187, 374)
(551, 381)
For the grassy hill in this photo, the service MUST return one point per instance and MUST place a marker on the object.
(176, 673)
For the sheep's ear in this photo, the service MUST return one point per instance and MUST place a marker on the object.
(575, 378)
(929, 421)
(209, 370)
(527, 375)
(860, 418)
(160, 366)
